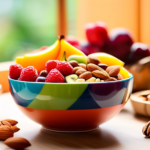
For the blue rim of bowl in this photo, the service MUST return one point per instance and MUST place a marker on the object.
(131, 77)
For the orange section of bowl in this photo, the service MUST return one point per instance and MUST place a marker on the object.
(71, 120)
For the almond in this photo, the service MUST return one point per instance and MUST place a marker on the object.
(91, 67)
(109, 68)
(92, 79)
(15, 128)
(74, 63)
(111, 79)
(75, 69)
(86, 75)
(12, 122)
(80, 71)
(100, 74)
(93, 59)
(119, 77)
(5, 132)
(6, 123)
(17, 143)
(80, 80)
(82, 65)
(113, 70)
(98, 80)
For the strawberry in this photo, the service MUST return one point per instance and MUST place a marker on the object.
(51, 64)
(15, 71)
(65, 68)
(54, 76)
(28, 74)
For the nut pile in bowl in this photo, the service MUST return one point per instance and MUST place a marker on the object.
(63, 89)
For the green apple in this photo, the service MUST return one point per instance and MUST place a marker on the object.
(78, 58)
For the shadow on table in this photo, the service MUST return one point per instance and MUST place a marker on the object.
(98, 138)
(125, 111)
(142, 118)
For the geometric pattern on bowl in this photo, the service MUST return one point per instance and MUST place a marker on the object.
(62, 96)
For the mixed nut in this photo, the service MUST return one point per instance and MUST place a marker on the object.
(145, 96)
(7, 129)
(146, 129)
(94, 71)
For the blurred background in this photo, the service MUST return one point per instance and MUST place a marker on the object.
(118, 27)
(30, 24)
(26, 25)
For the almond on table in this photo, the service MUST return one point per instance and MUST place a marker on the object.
(17, 143)
(7, 129)
(5, 132)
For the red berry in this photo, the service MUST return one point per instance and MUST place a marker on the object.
(54, 76)
(40, 79)
(28, 74)
(51, 64)
(43, 73)
(15, 71)
(65, 68)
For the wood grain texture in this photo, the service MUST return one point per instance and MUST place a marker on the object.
(122, 132)
(62, 18)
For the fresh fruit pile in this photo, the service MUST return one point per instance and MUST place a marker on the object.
(64, 63)
(119, 43)
(72, 71)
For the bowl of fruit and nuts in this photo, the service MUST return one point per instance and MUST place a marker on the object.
(77, 93)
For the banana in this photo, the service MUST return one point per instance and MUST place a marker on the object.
(60, 50)
(39, 59)
(68, 50)
(108, 59)
(125, 74)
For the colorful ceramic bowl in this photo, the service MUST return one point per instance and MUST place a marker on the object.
(71, 107)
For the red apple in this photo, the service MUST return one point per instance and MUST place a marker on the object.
(88, 48)
(120, 43)
(74, 42)
(138, 51)
(96, 33)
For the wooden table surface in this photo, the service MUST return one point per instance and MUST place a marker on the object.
(123, 132)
